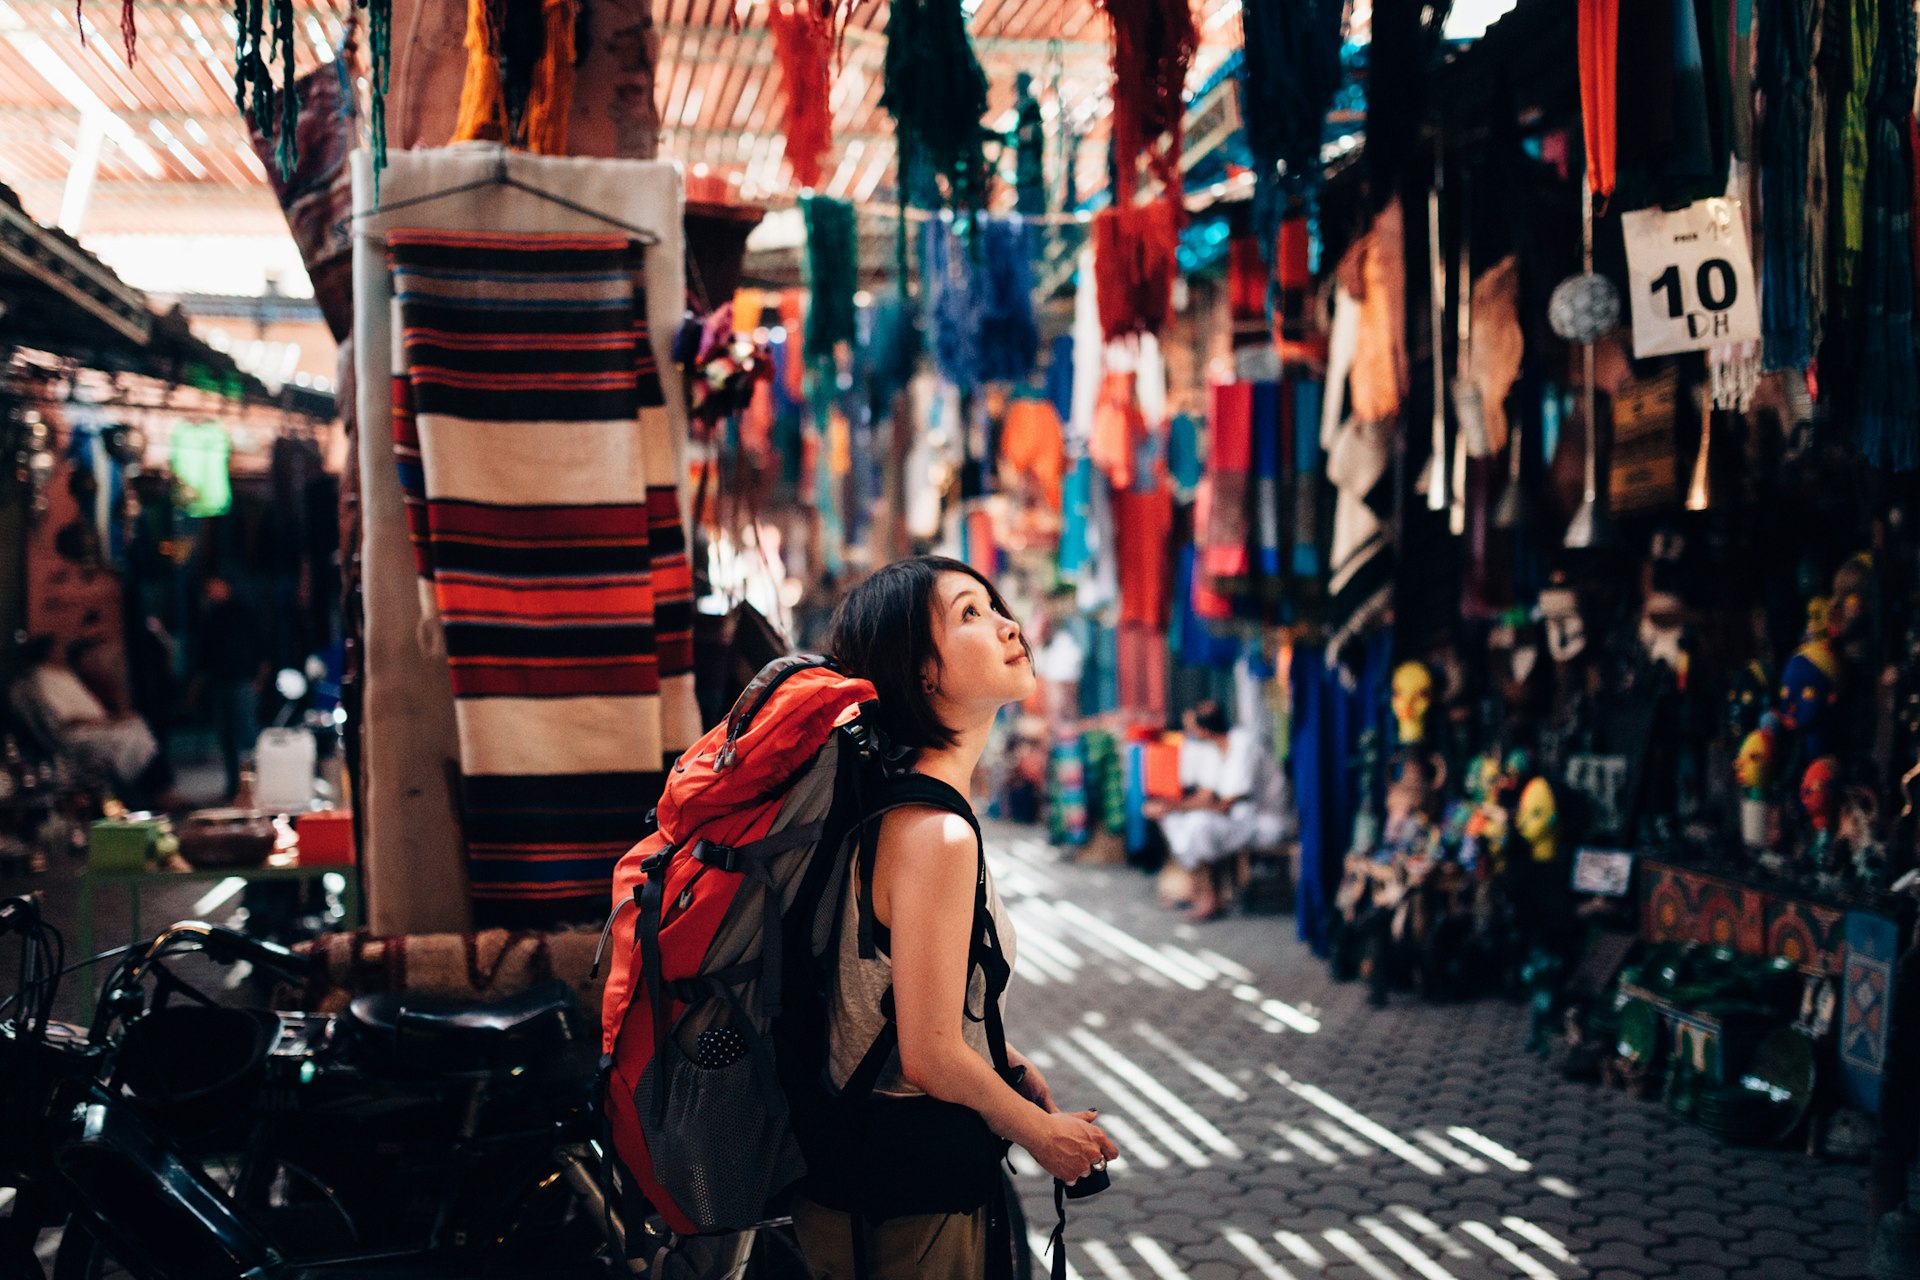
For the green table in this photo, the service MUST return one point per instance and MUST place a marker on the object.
(92, 879)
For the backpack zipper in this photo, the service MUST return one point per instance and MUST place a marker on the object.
(679, 905)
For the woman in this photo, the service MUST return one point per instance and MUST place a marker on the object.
(933, 637)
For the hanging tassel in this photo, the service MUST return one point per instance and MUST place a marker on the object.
(380, 53)
(1153, 45)
(126, 27)
(252, 81)
(803, 44)
(954, 306)
(550, 104)
(483, 98)
(286, 151)
(1134, 262)
(1734, 370)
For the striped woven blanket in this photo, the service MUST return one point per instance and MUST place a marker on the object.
(537, 461)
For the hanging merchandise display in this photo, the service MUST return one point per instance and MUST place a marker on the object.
(1790, 311)
(199, 454)
(534, 444)
(936, 93)
(1289, 71)
(804, 44)
(1135, 259)
(1889, 385)
(955, 305)
(832, 274)
(1009, 339)
(417, 833)
(520, 73)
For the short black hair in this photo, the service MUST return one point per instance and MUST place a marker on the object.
(1210, 717)
(883, 633)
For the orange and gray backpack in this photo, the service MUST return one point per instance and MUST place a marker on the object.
(714, 1045)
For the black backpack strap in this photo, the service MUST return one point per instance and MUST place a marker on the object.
(910, 789)
(651, 895)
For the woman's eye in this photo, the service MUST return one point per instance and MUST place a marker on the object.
(969, 612)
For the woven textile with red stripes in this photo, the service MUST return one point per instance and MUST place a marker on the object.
(538, 464)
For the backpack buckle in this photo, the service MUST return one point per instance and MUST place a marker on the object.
(658, 862)
(721, 857)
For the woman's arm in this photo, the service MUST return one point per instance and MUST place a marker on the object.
(923, 891)
(925, 875)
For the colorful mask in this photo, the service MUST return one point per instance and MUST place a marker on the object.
(1753, 767)
(1412, 700)
(1820, 793)
(1538, 819)
(1809, 686)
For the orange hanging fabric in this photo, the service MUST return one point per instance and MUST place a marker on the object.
(483, 100)
(1599, 82)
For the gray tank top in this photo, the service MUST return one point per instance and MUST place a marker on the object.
(854, 1020)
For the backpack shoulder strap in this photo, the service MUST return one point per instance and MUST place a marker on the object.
(903, 791)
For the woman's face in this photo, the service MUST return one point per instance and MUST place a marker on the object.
(983, 660)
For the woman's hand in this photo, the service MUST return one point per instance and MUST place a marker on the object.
(1033, 1086)
(1068, 1144)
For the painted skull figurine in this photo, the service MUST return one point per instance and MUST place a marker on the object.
(1412, 700)
(1538, 822)
(1809, 687)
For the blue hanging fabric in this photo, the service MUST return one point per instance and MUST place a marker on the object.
(1889, 385)
(1060, 376)
(953, 306)
(1009, 340)
(1328, 718)
(1783, 75)
(1307, 400)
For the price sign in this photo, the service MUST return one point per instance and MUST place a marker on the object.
(1690, 278)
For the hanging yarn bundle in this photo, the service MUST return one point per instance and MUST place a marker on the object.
(937, 93)
(519, 83)
(1009, 338)
(1134, 263)
(1289, 72)
(1153, 45)
(955, 305)
(804, 41)
(833, 273)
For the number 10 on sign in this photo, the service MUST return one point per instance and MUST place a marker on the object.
(1689, 278)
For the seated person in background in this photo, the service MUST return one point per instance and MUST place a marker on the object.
(1233, 799)
(62, 708)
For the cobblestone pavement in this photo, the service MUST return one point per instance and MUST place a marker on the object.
(1272, 1125)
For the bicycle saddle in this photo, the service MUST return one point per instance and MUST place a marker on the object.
(416, 1032)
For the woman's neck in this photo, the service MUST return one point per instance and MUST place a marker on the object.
(954, 765)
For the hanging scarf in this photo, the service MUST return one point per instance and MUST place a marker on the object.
(1783, 74)
(1289, 71)
(803, 45)
(1856, 147)
(1599, 62)
(530, 97)
(1889, 391)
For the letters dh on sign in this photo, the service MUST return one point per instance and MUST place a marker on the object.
(1690, 278)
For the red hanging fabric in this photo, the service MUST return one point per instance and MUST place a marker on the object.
(1599, 80)
(1134, 262)
(803, 43)
(1153, 45)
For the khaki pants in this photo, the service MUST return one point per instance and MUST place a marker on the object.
(939, 1246)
